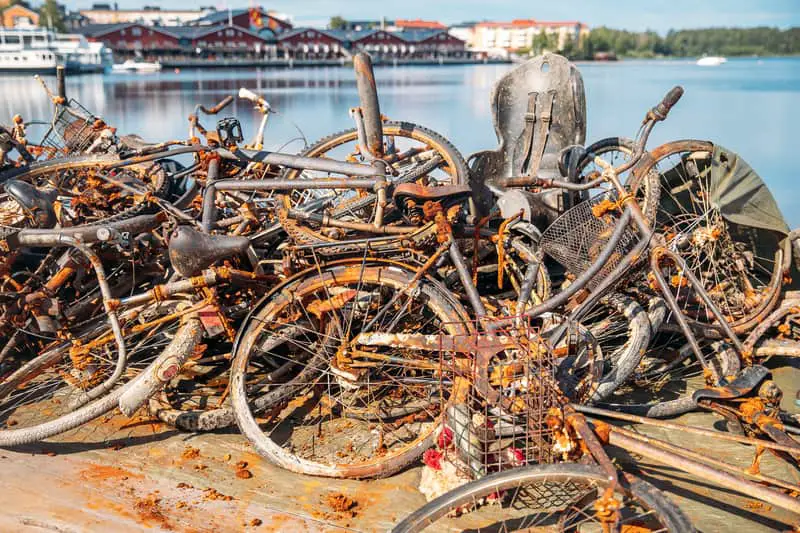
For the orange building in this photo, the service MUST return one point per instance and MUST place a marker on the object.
(18, 16)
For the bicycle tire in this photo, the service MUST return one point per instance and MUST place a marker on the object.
(81, 415)
(650, 498)
(623, 359)
(438, 302)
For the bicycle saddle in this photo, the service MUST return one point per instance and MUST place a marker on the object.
(190, 251)
(447, 194)
(37, 204)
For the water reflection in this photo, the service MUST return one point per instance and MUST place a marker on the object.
(750, 106)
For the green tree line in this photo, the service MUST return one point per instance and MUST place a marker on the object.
(761, 41)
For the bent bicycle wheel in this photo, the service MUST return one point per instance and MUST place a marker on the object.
(558, 497)
(315, 397)
(56, 390)
(721, 219)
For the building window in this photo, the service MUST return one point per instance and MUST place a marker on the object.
(229, 33)
(136, 32)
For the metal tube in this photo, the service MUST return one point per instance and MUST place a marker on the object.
(61, 83)
(85, 234)
(706, 459)
(370, 107)
(209, 214)
(596, 411)
(301, 162)
(207, 278)
(466, 280)
(698, 287)
(105, 291)
(298, 185)
(159, 155)
(672, 303)
(326, 220)
(704, 472)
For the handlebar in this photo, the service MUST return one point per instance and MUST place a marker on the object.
(660, 112)
(656, 114)
(225, 102)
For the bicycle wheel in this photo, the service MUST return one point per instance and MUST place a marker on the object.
(415, 154)
(558, 497)
(336, 407)
(47, 395)
(617, 151)
(622, 330)
(738, 266)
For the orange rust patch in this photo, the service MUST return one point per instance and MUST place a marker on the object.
(190, 453)
(213, 494)
(244, 474)
(149, 510)
(342, 505)
(97, 472)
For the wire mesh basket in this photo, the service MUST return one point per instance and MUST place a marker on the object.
(505, 417)
(578, 237)
(71, 131)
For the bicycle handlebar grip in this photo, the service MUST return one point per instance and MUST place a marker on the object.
(662, 109)
(220, 106)
(247, 94)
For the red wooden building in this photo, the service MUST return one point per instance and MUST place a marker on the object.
(159, 41)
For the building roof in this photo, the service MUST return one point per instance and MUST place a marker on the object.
(333, 34)
(418, 24)
(178, 32)
(107, 8)
(528, 23)
(223, 15)
(91, 30)
(417, 36)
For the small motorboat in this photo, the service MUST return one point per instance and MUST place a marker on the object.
(131, 65)
(711, 61)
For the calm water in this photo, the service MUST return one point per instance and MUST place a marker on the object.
(751, 106)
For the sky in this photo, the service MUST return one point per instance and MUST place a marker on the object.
(635, 15)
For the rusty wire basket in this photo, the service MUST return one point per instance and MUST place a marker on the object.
(71, 131)
(483, 435)
(580, 235)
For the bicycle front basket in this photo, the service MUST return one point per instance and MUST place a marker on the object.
(580, 235)
(72, 130)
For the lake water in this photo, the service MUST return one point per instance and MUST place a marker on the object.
(751, 106)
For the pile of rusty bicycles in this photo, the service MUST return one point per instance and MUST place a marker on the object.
(377, 300)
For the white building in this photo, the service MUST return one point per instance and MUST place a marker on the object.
(150, 16)
(509, 36)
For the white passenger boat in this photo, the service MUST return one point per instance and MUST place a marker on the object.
(40, 50)
(132, 65)
(711, 61)
(27, 50)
